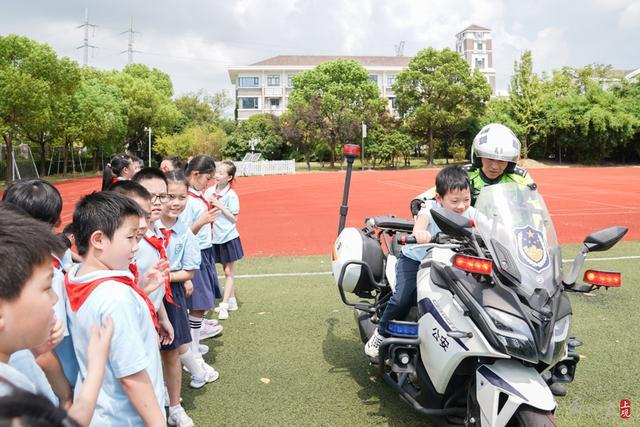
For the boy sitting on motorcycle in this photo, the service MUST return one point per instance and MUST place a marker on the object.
(453, 192)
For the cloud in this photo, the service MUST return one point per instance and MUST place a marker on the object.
(630, 17)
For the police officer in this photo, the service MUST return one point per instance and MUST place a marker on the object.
(494, 155)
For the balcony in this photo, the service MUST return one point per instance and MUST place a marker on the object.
(273, 91)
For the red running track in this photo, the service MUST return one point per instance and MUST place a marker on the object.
(298, 214)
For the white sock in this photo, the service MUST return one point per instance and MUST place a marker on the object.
(189, 359)
(196, 324)
(173, 409)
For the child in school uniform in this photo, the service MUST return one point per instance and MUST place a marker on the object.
(227, 248)
(42, 201)
(184, 256)
(120, 168)
(25, 287)
(198, 216)
(106, 226)
(148, 256)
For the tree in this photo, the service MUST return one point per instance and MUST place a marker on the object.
(147, 93)
(301, 127)
(41, 130)
(192, 141)
(526, 101)
(264, 129)
(31, 76)
(346, 95)
(437, 92)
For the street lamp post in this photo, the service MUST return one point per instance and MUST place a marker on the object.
(148, 129)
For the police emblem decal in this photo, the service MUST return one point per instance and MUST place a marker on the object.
(532, 249)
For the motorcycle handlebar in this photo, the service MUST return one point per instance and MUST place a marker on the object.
(406, 240)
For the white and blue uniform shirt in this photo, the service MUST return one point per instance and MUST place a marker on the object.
(25, 362)
(194, 209)
(134, 345)
(224, 229)
(15, 377)
(419, 253)
(183, 251)
(146, 257)
(57, 284)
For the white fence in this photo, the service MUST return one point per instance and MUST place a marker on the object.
(266, 167)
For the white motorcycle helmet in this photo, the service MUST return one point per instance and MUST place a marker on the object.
(498, 142)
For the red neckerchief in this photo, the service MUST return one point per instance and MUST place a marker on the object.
(158, 245)
(114, 180)
(206, 202)
(79, 292)
(166, 233)
(56, 263)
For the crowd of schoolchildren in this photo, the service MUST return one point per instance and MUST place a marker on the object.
(133, 285)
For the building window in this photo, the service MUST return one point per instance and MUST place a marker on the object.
(290, 80)
(273, 80)
(391, 80)
(392, 100)
(248, 81)
(249, 103)
(373, 78)
(479, 46)
(480, 63)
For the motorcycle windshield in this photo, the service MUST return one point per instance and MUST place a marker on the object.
(515, 224)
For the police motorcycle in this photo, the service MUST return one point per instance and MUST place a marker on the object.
(492, 315)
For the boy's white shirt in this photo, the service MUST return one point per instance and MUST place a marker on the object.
(15, 377)
(134, 345)
(25, 362)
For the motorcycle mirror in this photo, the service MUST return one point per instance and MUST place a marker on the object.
(452, 223)
(604, 239)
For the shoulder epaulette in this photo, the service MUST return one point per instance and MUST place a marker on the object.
(520, 171)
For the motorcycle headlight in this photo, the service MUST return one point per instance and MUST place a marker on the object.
(560, 338)
(514, 334)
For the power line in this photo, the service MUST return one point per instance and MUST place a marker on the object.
(130, 50)
(86, 44)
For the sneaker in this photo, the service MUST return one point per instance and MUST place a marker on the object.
(179, 418)
(372, 346)
(223, 313)
(210, 322)
(210, 376)
(233, 305)
(211, 373)
(203, 349)
(209, 331)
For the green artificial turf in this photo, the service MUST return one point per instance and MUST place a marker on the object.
(292, 354)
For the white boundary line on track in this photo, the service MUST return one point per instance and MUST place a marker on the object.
(325, 273)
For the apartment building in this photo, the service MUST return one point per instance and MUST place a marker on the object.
(474, 44)
(264, 87)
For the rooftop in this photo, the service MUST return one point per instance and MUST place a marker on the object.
(313, 60)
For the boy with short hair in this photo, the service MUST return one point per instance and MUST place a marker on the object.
(106, 226)
(453, 192)
(42, 201)
(25, 287)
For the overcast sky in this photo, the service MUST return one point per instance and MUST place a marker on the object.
(196, 41)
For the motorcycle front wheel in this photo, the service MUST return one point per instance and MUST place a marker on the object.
(527, 416)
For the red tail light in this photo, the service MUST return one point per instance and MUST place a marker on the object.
(351, 150)
(603, 278)
(473, 265)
